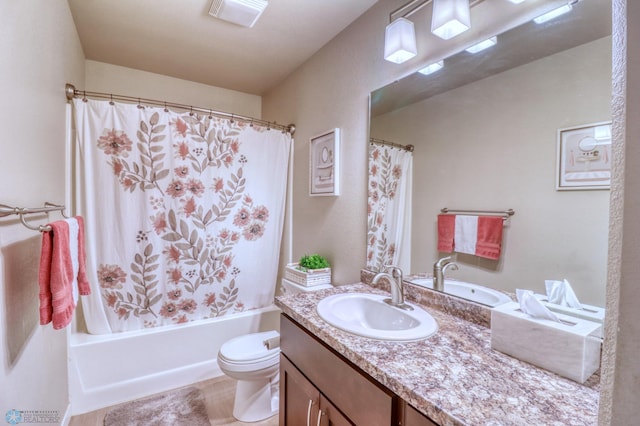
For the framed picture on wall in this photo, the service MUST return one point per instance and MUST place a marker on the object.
(584, 157)
(324, 164)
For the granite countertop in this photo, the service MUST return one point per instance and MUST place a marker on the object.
(454, 377)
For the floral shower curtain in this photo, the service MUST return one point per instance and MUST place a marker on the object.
(184, 213)
(389, 208)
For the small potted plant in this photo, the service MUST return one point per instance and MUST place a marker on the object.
(311, 270)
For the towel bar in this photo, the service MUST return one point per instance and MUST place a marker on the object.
(505, 213)
(6, 210)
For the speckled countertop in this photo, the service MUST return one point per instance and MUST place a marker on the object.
(454, 377)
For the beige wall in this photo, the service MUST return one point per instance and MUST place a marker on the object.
(40, 52)
(620, 382)
(107, 78)
(492, 145)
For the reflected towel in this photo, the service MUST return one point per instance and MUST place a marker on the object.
(466, 234)
(446, 230)
(62, 271)
(489, 242)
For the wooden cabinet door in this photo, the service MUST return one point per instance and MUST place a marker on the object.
(329, 414)
(413, 417)
(299, 399)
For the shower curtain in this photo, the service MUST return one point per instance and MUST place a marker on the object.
(389, 208)
(184, 213)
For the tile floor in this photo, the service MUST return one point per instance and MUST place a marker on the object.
(218, 394)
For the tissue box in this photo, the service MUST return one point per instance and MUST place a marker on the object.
(570, 348)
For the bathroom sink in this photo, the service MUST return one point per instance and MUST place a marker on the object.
(473, 292)
(368, 315)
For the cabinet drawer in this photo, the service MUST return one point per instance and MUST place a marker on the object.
(361, 399)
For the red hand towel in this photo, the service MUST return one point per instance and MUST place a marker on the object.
(56, 274)
(489, 242)
(83, 281)
(446, 232)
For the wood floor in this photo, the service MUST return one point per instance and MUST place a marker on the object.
(218, 394)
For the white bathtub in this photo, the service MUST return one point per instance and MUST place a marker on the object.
(109, 369)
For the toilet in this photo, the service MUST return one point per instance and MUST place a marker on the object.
(254, 361)
(256, 368)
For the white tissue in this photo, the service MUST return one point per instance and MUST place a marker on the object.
(561, 293)
(533, 307)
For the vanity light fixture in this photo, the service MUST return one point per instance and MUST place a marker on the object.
(478, 47)
(431, 68)
(400, 41)
(517, 1)
(555, 12)
(450, 18)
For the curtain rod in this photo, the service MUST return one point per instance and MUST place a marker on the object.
(71, 92)
(409, 148)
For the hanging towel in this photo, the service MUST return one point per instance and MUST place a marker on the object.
(446, 229)
(466, 234)
(62, 271)
(489, 242)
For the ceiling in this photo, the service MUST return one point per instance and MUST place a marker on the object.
(178, 38)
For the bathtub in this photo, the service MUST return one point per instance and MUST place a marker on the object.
(110, 369)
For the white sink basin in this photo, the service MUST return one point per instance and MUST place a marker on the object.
(474, 292)
(369, 316)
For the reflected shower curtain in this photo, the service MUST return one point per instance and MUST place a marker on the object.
(389, 208)
(184, 214)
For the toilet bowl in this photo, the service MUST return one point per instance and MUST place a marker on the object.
(256, 368)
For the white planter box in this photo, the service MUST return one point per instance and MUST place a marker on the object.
(309, 278)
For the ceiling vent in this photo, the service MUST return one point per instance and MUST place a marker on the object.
(239, 12)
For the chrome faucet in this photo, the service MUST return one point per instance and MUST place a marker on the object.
(397, 286)
(439, 268)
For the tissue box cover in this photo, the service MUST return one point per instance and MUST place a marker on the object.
(570, 348)
(588, 312)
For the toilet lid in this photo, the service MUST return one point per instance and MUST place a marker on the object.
(249, 348)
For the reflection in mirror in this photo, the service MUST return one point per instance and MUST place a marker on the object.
(486, 135)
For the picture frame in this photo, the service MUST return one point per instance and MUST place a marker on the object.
(584, 157)
(324, 164)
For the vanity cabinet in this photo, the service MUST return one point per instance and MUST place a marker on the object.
(301, 403)
(413, 417)
(318, 386)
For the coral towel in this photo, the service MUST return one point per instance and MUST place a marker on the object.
(446, 228)
(489, 242)
(62, 271)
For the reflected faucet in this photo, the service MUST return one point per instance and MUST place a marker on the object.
(397, 286)
(439, 268)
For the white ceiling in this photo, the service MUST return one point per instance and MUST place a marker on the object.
(178, 38)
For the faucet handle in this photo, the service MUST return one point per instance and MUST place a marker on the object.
(444, 261)
(395, 271)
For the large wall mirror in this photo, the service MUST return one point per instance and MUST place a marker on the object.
(485, 130)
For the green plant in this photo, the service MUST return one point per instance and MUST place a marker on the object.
(314, 261)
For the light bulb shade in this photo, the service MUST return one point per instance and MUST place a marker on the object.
(479, 47)
(553, 14)
(400, 41)
(450, 18)
(431, 68)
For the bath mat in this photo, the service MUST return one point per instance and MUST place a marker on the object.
(180, 407)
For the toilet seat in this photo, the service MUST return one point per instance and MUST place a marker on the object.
(248, 352)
